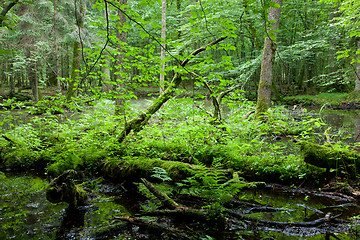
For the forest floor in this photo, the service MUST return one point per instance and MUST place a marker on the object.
(198, 171)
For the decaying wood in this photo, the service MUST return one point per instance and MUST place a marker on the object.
(247, 115)
(326, 219)
(205, 216)
(215, 100)
(64, 189)
(155, 227)
(137, 123)
(180, 212)
(324, 156)
(163, 197)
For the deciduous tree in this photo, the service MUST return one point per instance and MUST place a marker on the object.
(265, 84)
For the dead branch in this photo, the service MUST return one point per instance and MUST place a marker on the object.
(327, 219)
(199, 50)
(247, 115)
(163, 197)
(8, 139)
(154, 226)
(191, 214)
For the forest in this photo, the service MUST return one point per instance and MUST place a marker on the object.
(180, 119)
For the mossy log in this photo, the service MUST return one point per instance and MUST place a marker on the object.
(326, 157)
(163, 197)
(64, 189)
(134, 168)
(181, 212)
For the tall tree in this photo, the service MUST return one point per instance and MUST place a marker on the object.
(80, 11)
(121, 72)
(265, 84)
(163, 46)
(357, 71)
(58, 83)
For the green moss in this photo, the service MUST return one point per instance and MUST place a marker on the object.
(133, 168)
(324, 156)
(261, 108)
(2, 176)
(63, 189)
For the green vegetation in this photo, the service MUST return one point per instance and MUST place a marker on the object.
(180, 139)
(74, 75)
(340, 100)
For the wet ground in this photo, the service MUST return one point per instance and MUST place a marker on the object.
(26, 214)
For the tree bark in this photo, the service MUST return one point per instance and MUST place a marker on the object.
(75, 67)
(265, 84)
(120, 78)
(357, 72)
(72, 84)
(106, 76)
(31, 72)
(163, 46)
(58, 83)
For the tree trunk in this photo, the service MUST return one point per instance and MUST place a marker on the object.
(11, 79)
(58, 83)
(163, 46)
(74, 76)
(264, 91)
(31, 72)
(106, 77)
(120, 78)
(357, 77)
(72, 84)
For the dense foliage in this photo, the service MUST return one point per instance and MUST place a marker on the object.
(37, 43)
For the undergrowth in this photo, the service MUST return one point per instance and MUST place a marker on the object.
(179, 132)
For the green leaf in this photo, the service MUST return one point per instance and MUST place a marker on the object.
(274, 5)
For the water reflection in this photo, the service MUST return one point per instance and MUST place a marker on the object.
(74, 218)
(345, 123)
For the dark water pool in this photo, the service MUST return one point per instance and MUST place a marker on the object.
(26, 214)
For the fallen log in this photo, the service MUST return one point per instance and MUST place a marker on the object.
(326, 219)
(132, 168)
(325, 156)
(64, 189)
(180, 212)
(156, 227)
(167, 201)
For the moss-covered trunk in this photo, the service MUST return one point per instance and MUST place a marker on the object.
(72, 84)
(265, 84)
(74, 77)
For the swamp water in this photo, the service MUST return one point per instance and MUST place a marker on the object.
(26, 214)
